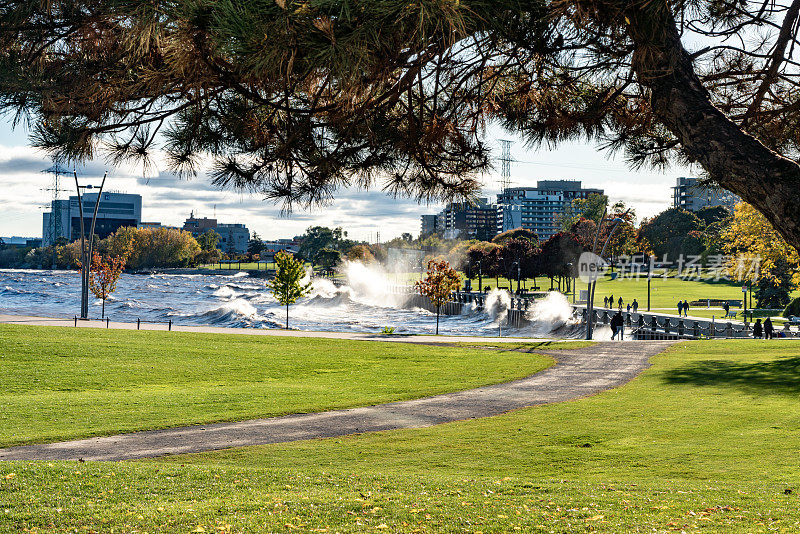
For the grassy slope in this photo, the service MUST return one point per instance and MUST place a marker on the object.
(707, 438)
(60, 383)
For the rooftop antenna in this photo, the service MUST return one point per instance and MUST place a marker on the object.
(55, 228)
(505, 177)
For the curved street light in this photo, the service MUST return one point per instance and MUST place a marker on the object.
(593, 284)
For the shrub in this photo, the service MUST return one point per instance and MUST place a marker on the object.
(793, 308)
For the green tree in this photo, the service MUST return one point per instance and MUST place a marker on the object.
(673, 232)
(318, 238)
(255, 245)
(286, 286)
(516, 233)
(591, 208)
(439, 282)
(328, 259)
(208, 240)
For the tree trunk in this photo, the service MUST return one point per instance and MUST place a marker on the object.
(437, 319)
(287, 317)
(103, 308)
(734, 159)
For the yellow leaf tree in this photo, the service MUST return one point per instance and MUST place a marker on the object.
(439, 282)
(759, 254)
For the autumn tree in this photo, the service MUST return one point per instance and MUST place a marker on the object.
(439, 282)
(287, 286)
(295, 99)
(104, 274)
(760, 255)
(360, 253)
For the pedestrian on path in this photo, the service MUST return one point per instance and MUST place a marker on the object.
(617, 326)
(620, 303)
(686, 308)
(611, 301)
(757, 329)
(680, 308)
(605, 302)
(629, 307)
(727, 308)
(635, 306)
(769, 330)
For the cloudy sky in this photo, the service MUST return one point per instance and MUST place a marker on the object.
(363, 214)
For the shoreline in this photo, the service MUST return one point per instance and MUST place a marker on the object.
(6, 318)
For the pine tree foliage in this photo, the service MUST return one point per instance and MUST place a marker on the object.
(294, 99)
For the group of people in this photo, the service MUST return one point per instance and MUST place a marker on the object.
(766, 329)
(608, 302)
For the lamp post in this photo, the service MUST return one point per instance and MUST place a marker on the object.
(649, 278)
(86, 252)
(593, 283)
(572, 280)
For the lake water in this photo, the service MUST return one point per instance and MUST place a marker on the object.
(364, 304)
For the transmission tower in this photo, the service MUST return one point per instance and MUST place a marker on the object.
(505, 178)
(55, 229)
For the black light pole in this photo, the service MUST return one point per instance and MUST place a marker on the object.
(650, 277)
(86, 252)
(572, 280)
(593, 284)
(519, 269)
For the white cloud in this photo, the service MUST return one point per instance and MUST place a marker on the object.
(363, 214)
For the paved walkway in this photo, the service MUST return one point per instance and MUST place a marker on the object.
(577, 373)
(353, 336)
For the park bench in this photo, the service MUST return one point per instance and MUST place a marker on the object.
(731, 315)
(793, 321)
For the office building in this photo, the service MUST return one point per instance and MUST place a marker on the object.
(463, 220)
(539, 208)
(429, 225)
(233, 238)
(116, 210)
(691, 194)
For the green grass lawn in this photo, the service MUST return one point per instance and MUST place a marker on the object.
(60, 383)
(706, 440)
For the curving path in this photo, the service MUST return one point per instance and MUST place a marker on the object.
(577, 373)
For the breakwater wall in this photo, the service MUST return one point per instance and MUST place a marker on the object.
(461, 303)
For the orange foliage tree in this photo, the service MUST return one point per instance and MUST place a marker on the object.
(439, 282)
(105, 273)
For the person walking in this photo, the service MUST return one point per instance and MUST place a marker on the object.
(617, 326)
(629, 307)
(620, 304)
(611, 301)
(727, 308)
(635, 306)
(605, 302)
(769, 330)
(757, 329)
(686, 308)
(680, 308)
